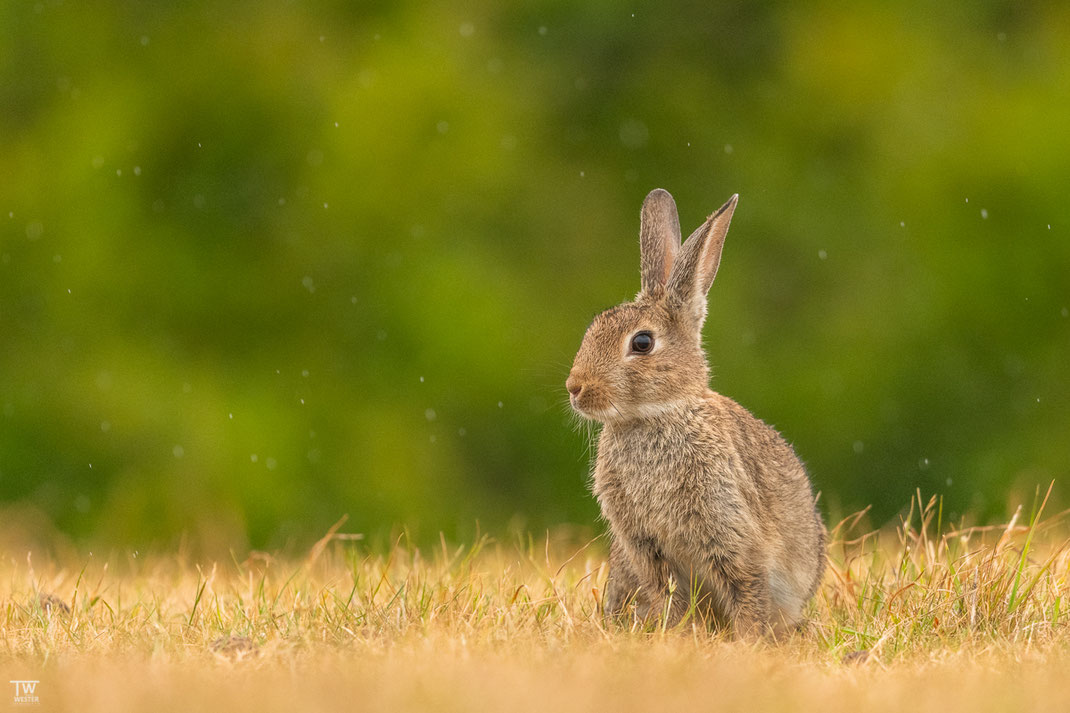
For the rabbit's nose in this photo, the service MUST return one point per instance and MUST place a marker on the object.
(573, 385)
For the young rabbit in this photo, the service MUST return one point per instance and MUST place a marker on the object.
(706, 504)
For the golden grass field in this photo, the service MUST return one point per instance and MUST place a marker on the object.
(949, 619)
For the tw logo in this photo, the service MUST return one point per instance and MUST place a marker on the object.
(26, 691)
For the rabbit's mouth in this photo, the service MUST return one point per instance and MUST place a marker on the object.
(585, 411)
(590, 404)
(592, 397)
(600, 415)
(596, 407)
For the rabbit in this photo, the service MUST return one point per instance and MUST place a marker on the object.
(709, 509)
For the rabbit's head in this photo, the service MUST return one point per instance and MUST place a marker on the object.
(644, 357)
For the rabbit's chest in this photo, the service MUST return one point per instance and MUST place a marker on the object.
(647, 488)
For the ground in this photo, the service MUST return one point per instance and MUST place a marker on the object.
(967, 619)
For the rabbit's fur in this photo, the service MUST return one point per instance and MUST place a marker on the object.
(706, 504)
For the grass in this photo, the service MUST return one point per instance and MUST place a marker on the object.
(924, 615)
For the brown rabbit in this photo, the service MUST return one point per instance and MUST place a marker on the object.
(706, 504)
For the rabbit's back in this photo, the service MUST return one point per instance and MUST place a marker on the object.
(790, 521)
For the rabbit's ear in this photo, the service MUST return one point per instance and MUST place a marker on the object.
(701, 254)
(659, 240)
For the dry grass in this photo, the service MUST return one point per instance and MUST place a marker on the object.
(969, 619)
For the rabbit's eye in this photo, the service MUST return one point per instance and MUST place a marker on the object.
(642, 343)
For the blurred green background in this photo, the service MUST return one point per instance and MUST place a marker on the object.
(263, 264)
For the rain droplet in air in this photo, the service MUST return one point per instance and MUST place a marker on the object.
(634, 134)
